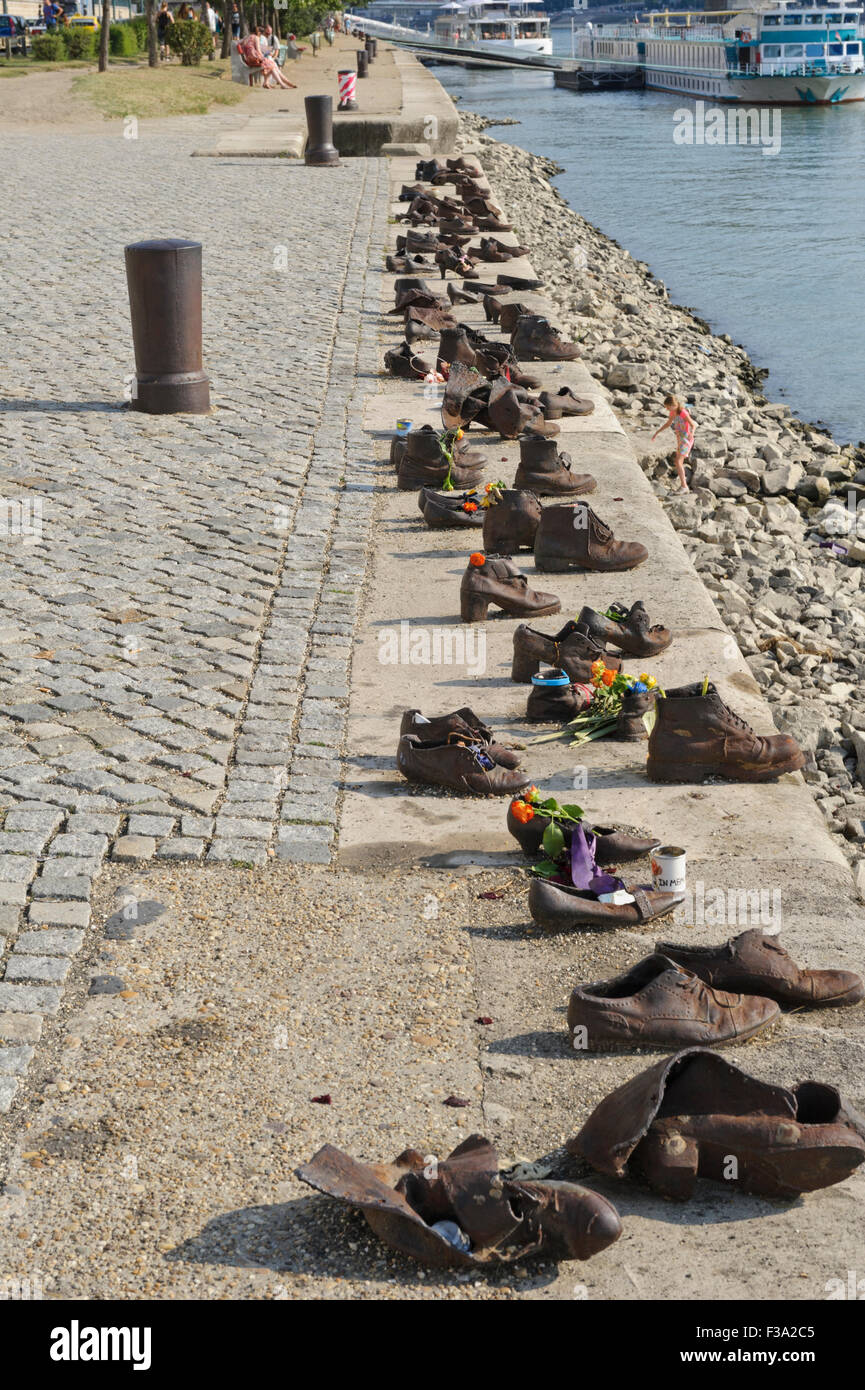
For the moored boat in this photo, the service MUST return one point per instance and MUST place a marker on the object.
(784, 54)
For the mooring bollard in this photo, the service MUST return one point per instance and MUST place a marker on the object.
(362, 63)
(164, 282)
(320, 148)
(347, 81)
(369, 50)
(374, 43)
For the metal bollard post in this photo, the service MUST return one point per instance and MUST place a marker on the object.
(347, 82)
(362, 63)
(320, 149)
(368, 45)
(374, 43)
(164, 282)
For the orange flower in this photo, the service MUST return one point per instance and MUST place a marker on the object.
(470, 506)
(522, 812)
(531, 794)
(488, 486)
(597, 666)
(608, 677)
(477, 559)
(459, 434)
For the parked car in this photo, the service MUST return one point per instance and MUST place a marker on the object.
(83, 21)
(13, 27)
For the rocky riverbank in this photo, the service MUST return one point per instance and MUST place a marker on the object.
(772, 522)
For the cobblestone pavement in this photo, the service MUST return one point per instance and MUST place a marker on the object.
(179, 593)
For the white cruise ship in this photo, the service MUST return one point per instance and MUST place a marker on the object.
(489, 28)
(786, 54)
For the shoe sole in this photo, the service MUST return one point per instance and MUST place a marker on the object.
(838, 1001)
(563, 566)
(699, 772)
(650, 1045)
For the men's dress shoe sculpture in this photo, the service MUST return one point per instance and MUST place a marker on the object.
(688, 1115)
(510, 520)
(554, 699)
(570, 648)
(450, 511)
(404, 363)
(572, 534)
(495, 579)
(463, 1211)
(509, 316)
(542, 469)
(535, 340)
(697, 736)
(460, 762)
(565, 402)
(627, 629)
(611, 846)
(559, 907)
(758, 964)
(657, 1004)
(462, 721)
(517, 282)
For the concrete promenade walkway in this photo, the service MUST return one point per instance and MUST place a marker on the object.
(232, 934)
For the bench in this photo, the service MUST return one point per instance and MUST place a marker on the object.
(240, 72)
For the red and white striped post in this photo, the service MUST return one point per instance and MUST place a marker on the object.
(347, 90)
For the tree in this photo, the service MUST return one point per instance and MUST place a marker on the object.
(152, 36)
(226, 28)
(104, 34)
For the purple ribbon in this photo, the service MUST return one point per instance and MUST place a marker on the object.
(584, 870)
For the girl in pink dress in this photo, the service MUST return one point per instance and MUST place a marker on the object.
(683, 427)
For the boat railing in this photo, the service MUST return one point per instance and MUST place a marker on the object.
(796, 70)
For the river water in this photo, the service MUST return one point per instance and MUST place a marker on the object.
(769, 248)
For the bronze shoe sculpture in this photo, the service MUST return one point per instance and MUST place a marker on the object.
(758, 964)
(657, 1004)
(559, 907)
(463, 1211)
(564, 402)
(611, 846)
(460, 762)
(535, 339)
(628, 629)
(631, 721)
(549, 473)
(461, 721)
(404, 363)
(573, 535)
(554, 699)
(569, 648)
(697, 736)
(450, 511)
(510, 520)
(696, 1115)
(495, 579)
(424, 463)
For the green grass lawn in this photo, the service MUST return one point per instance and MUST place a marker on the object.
(170, 90)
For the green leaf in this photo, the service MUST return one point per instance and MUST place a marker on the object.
(550, 804)
(649, 719)
(545, 869)
(553, 841)
(575, 812)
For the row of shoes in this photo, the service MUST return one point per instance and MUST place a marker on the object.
(682, 1118)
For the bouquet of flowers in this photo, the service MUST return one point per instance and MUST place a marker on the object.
(606, 693)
